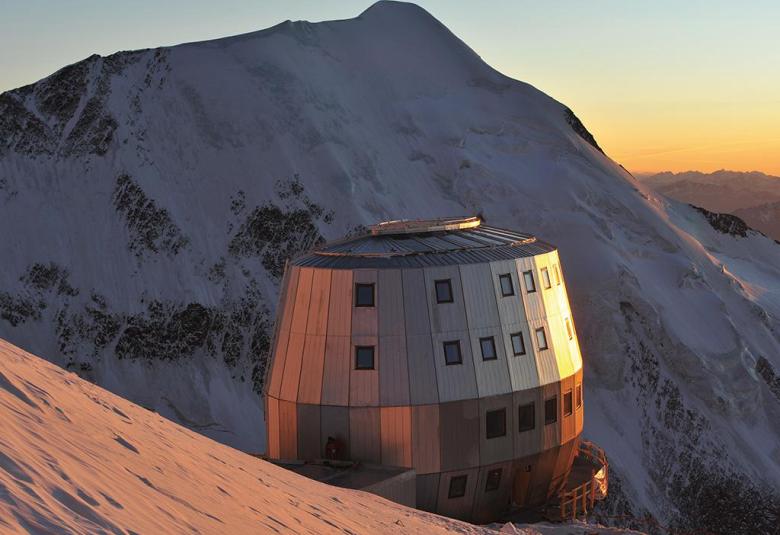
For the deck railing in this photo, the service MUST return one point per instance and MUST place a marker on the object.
(579, 500)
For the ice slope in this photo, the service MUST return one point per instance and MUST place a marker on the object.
(149, 198)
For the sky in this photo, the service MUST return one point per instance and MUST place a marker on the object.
(663, 85)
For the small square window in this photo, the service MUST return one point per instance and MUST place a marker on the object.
(444, 291)
(567, 403)
(457, 487)
(518, 344)
(364, 357)
(452, 353)
(551, 410)
(557, 274)
(364, 295)
(507, 288)
(495, 423)
(569, 330)
(488, 346)
(546, 279)
(530, 285)
(579, 396)
(493, 480)
(526, 417)
(541, 339)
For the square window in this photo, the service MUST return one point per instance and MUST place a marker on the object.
(569, 330)
(495, 423)
(452, 353)
(551, 410)
(541, 338)
(488, 346)
(518, 344)
(530, 285)
(567, 403)
(507, 288)
(546, 279)
(444, 291)
(493, 480)
(457, 486)
(557, 274)
(364, 357)
(579, 396)
(364, 295)
(526, 417)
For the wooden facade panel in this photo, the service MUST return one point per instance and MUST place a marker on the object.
(459, 423)
(491, 504)
(541, 476)
(390, 300)
(319, 301)
(533, 303)
(309, 433)
(479, 296)
(445, 317)
(336, 370)
(396, 430)
(523, 373)
(454, 381)
(552, 432)
(272, 426)
(579, 412)
(288, 430)
(522, 469)
(334, 422)
(393, 371)
(292, 367)
(364, 434)
(310, 384)
(427, 492)
(461, 507)
(569, 423)
(364, 319)
(528, 442)
(340, 303)
(563, 463)
(284, 315)
(510, 308)
(501, 448)
(492, 375)
(546, 363)
(426, 444)
(302, 300)
(423, 388)
(364, 384)
(415, 302)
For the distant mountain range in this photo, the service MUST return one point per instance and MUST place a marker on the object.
(752, 196)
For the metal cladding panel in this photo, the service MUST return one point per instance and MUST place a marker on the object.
(288, 430)
(569, 423)
(552, 432)
(462, 507)
(309, 433)
(390, 299)
(490, 504)
(492, 375)
(310, 385)
(292, 365)
(364, 319)
(427, 492)
(532, 301)
(579, 412)
(549, 295)
(560, 344)
(317, 322)
(364, 384)
(541, 476)
(393, 371)
(334, 422)
(459, 432)
(302, 300)
(455, 381)
(546, 363)
(498, 449)
(510, 308)
(521, 480)
(563, 464)
(272, 426)
(423, 388)
(364, 434)
(445, 317)
(426, 451)
(523, 372)
(340, 303)
(415, 302)
(336, 370)
(283, 335)
(396, 429)
(479, 296)
(528, 442)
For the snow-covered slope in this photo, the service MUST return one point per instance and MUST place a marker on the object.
(148, 201)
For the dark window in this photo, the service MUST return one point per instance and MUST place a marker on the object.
(364, 295)
(452, 353)
(364, 357)
(518, 344)
(541, 338)
(567, 404)
(493, 480)
(568, 329)
(579, 396)
(546, 279)
(526, 417)
(530, 285)
(551, 410)
(444, 291)
(488, 346)
(457, 487)
(507, 288)
(495, 423)
(557, 274)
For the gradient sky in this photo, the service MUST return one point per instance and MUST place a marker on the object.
(663, 85)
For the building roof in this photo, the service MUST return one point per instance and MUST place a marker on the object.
(422, 243)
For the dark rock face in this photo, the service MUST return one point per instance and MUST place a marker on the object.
(580, 129)
(767, 373)
(725, 223)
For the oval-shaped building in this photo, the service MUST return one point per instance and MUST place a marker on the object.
(447, 346)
